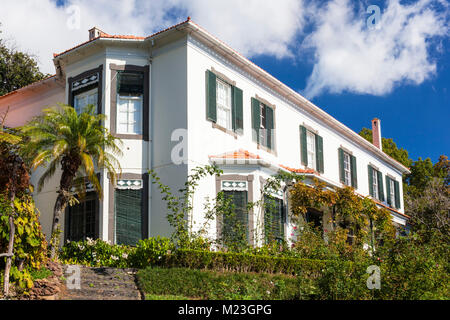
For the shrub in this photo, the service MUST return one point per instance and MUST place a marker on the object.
(215, 285)
(242, 262)
(29, 240)
(95, 253)
(150, 252)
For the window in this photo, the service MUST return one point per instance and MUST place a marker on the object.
(347, 169)
(224, 104)
(81, 220)
(315, 219)
(128, 215)
(311, 149)
(274, 218)
(392, 189)
(376, 184)
(129, 114)
(263, 124)
(235, 223)
(130, 90)
(393, 192)
(83, 99)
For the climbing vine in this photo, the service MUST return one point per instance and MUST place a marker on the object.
(350, 212)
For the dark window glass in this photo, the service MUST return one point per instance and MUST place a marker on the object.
(128, 210)
(82, 218)
(235, 223)
(130, 83)
(273, 218)
(314, 218)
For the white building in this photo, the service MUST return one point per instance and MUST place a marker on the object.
(179, 99)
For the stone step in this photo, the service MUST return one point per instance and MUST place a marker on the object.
(105, 284)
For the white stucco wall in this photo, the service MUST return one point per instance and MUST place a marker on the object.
(204, 140)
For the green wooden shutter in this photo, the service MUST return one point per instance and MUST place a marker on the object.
(370, 170)
(319, 153)
(303, 146)
(255, 119)
(388, 191)
(237, 111)
(380, 185)
(341, 166)
(354, 172)
(128, 213)
(269, 127)
(239, 201)
(211, 102)
(397, 194)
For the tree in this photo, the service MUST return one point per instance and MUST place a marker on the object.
(430, 209)
(389, 147)
(442, 169)
(422, 172)
(14, 178)
(17, 69)
(76, 143)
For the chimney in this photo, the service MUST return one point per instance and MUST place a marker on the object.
(95, 33)
(376, 133)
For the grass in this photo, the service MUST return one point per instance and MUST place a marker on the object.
(170, 283)
(164, 297)
(42, 273)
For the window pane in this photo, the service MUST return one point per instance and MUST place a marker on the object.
(311, 147)
(223, 91)
(235, 224)
(130, 82)
(82, 219)
(128, 211)
(273, 218)
(129, 114)
(347, 170)
(83, 99)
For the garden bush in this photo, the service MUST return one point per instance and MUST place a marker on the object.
(215, 285)
(29, 241)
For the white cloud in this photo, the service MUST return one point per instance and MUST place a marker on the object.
(347, 56)
(40, 26)
(252, 27)
(350, 57)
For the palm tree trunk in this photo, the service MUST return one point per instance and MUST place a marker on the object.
(69, 171)
(60, 206)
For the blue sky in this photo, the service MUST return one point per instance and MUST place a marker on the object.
(415, 116)
(398, 72)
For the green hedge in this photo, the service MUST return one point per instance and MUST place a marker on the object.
(214, 285)
(242, 262)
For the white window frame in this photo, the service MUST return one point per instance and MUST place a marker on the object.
(375, 184)
(223, 107)
(118, 118)
(347, 169)
(85, 94)
(311, 149)
(392, 191)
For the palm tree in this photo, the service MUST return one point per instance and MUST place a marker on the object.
(76, 143)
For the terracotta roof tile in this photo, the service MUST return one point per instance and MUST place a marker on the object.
(239, 154)
(104, 35)
(299, 170)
